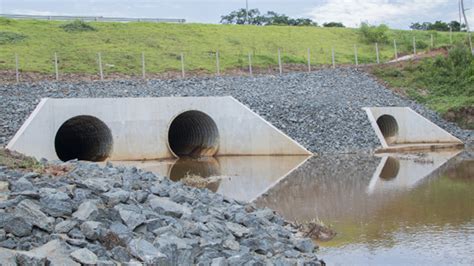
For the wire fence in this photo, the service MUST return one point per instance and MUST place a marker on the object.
(93, 18)
(145, 64)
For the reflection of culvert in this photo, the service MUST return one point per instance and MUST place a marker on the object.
(205, 167)
(84, 138)
(390, 169)
(193, 133)
(389, 127)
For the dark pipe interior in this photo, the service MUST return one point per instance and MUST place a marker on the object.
(84, 138)
(193, 133)
(389, 127)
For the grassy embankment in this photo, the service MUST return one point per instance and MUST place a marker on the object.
(444, 83)
(121, 45)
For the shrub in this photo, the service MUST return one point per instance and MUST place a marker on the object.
(372, 34)
(77, 26)
(7, 37)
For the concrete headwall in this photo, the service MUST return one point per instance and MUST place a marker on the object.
(139, 128)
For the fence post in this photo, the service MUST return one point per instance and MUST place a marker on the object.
(395, 48)
(17, 68)
(309, 60)
(101, 73)
(56, 65)
(432, 42)
(450, 35)
(143, 66)
(279, 62)
(470, 43)
(182, 65)
(333, 58)
(414, 45)
(377, 52)
(217, 63)
(355, 55)
(250, 64)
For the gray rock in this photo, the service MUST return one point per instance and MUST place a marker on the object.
(231, 244)
(304, 245)
(167, 207)
(56, 203)
(22, 184)
(116, 197)
(65, 226)
(2, 235)
(120, 254)
(86, 210)
(30, 259)
(237, 229)
(146, 252)
(31, 212)
(18, 226)
(221, 261)
(131, 215)
(9, 243)
(84, 256)
(90, 229)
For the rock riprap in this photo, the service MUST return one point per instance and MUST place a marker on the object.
(105, 215)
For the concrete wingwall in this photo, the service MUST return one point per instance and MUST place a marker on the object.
(403, 126)
(141, 128)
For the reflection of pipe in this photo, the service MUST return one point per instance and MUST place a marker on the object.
(204, 167)
(390, 169)
(405, 171)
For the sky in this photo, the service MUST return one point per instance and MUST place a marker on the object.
(395, 13)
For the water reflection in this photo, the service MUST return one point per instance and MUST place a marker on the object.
(396, 209)
(243, 178)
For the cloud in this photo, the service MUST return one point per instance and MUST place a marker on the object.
(353, 12)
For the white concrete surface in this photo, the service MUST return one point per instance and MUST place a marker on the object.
(409, 172)
(413, 129)
(140, 126)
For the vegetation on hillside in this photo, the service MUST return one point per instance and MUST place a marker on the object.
(77, 26)
(444, 83)
(438, 26)
(121, 45)
(253, 17)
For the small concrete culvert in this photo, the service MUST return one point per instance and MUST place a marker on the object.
(84, 138)
(389, 127)
(193, 133)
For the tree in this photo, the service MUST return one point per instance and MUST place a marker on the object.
(438, 26)
(333, 24)
(271, 18)
(238, 17)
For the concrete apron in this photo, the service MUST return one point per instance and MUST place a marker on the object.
(96, 129)
(400, 129)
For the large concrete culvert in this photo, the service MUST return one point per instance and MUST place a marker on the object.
(84, 138)
(193, 133)
(388, 127)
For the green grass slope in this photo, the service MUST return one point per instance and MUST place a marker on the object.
(121, 45)
(444, 83)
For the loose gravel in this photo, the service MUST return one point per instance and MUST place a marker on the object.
(321, 110)
(93, 215)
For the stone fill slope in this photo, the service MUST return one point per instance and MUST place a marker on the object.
(321, 110)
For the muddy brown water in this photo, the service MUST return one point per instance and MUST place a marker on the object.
(415, 209)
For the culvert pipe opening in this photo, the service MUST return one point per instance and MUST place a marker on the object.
(84, 138)
(389, 127)
(193, 133)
